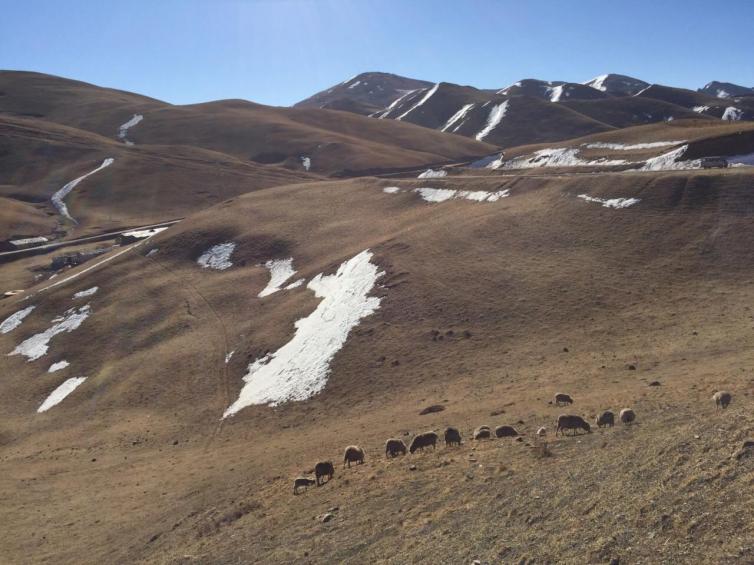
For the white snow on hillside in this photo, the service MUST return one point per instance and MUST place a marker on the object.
(507, 89)
(143, 234)
(722, 93)
(57, 395)
(355, 84)
(700, 109)
(295, 284)
(732, 114)
(432, 174)
(306, 162)
(396, 102)
(497, 113)
(280, 271)
(299, 369)
(457, 117)
(598, 83)
(560, 157)
(671, 161)
(58, 366)
(484, 162)
(631, 147)
(229, 356)
(435, 195)
(87, 292)
(14, 320)
(391, 189)
(426, 97)
(217, 257)
(611, 202)
(36, 346)
(123, 129)
(57, 198)
(555, 93)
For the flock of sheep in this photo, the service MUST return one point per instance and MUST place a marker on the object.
(395, 447)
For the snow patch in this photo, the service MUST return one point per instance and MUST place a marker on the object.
(457, 117)
(598, 83)
(671, 161)
(700, 109)
(497, 113)
(560, 157)
(295, 284)
(58, 366)
(395, 103)
(14, 320)
(355, 84)
(555, 93)
(36, 346)
(426, 97)
(306, 162)
(57, 198)
(57, 395)
(722, 93)
(299, 369)
(435, 195)
(485, 162)
(229, 356)
(280, 271)
(153, 252)
(616, 203)
(391, 189)
(143, 234)
(732, 114)
(622, 147)
(123, 129)
(87, 292)
(217, 257)
(432, 174)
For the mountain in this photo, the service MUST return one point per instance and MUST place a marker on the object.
(553, 91)
(726, 90)
(702, 103)
(617, 85)
(364, 93)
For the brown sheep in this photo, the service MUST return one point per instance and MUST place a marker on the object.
(421, 441)
(353, 454)
(483, 432)
(324, 469)
(452, 436)
(305, 482)
(627, 416)
(607, 418)
(571, 422)
(505, 431)
(394, 447)
(722, 398)
(562, 399)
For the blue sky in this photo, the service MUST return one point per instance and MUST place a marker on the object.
(280, 51)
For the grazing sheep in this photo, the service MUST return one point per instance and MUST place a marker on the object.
(607, 418)
(541, 432)
(483, 432)
(722, 398)
(505, 431)
(627, 416)
(572, 422)
(353, 454)
(305, 482)
(394, 447)
(421, 441)
(452, 436)
(563, 399)
(324, 469)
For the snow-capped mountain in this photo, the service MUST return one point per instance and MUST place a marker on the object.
(617, 85)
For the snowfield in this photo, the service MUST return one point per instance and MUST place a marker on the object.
(57, 395)
(616, 203)
(280, 271)
(299, 369)
(123, 128)
(457, 117)
(555, 93)
(671, 161)
(497, 113)
(426, 97)
(38, 344)
(395, 103)
(143, 234)
(217, 257)
(435, 195)
(306, 162)
(58, 366)
(732, 114)
(598, 83)
(432, 174)
(561, 157)
(391, 189)
(57, 198)
(631, 147)
(14, 320)
(87, 292)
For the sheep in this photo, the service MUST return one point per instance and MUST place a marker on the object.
(394, 447)
(571, 422)
(305, 482)
(452, 436)
(324, 469)
(542, 432)
(607, 418)
(421, 441)
(563, 399)
(505, 431)
(482, 432)
(627, 416)
(353, 454)
(722, 398)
